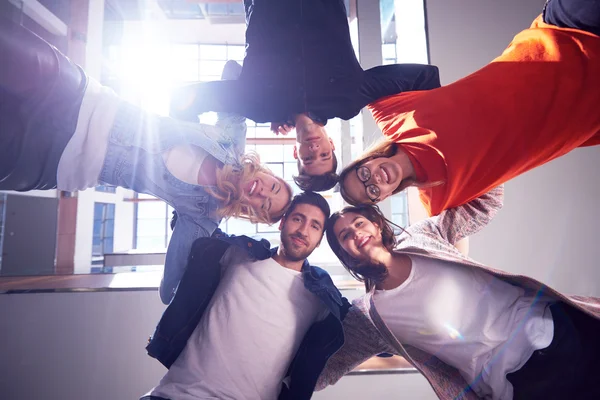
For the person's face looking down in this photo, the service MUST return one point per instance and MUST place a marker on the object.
(358, 236)
(373, 181)
(266, 192)
(301, 231)
(314, 149)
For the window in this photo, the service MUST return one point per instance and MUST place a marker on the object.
(400, 209)
(106, 189)
(403, 33)
(152, 223)
(104, 231)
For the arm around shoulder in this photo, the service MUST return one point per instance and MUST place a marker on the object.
(185, 232)
(459, 222)
(361, 342)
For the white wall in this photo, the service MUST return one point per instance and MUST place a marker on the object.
(548, 227)
(465, 35)
(59, 346)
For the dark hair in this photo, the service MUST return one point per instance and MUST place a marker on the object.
(311, 198)
(368, 272)
(317, 183)
(174, 219)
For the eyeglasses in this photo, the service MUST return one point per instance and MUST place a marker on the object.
(364, 174)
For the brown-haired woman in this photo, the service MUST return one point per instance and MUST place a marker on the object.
(529, 106)
(472, 331)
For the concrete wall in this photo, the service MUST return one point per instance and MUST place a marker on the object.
(59, 346)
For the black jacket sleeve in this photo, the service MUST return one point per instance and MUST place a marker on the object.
(189, 101)
(387, 80)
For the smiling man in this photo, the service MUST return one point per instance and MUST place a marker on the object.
(300, 69)
(314, 150)
(249, 322)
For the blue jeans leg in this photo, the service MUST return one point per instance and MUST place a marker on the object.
(578, 14)
(41, 92)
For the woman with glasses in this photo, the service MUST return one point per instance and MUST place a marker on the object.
(61, 129)
(534, 103)
(472, 331)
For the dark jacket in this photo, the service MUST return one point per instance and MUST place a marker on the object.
(300, 59)
(197, 287)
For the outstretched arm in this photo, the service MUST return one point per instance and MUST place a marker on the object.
(189, 101)
(459, 222)
(361, 342)
(387, 80)
(186, 231)
(224, 96)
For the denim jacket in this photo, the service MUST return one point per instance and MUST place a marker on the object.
(200, 280)
(134, 161)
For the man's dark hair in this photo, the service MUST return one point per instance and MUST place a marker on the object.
(317, 183)
(312, 198)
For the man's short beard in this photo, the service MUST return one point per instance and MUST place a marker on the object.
(290, 252)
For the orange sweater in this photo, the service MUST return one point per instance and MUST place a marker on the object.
(539, 100)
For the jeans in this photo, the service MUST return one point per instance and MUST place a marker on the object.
(41, 91)
(579, 14)
(568, 368)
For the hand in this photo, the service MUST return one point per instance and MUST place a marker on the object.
(279, 128)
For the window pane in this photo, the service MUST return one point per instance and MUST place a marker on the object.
(150, 243)
(236, 53)
(184, 52)
(240, 227)
(288, 153)
(289, 170)
(270, 153)
(110, 211)
(109, 228)
(108, 245)
(267, 228)
(214, 68)
(186, 71)
(389, 51)
(98, 211)
(264, 132)
(400, 220)
(97, 227)
(151, 227)
(213, 52)
(277, 169)
(399, 203)
(151, 209)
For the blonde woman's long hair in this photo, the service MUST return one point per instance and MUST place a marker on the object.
(383, 148)
(229, 190)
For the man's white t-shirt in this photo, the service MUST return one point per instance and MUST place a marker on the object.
(248, 336)
(479, 324)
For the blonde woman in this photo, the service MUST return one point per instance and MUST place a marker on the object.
(535, 102)
(61, 129)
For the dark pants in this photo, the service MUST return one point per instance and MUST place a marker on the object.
(567, 369)
(40, 95)
(153, 398)
(578, 14)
